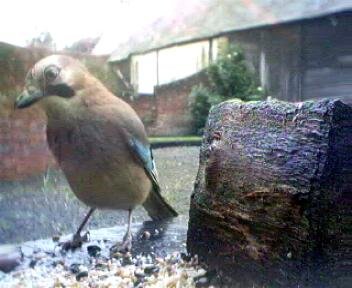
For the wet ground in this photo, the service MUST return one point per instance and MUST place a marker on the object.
(158, 259)
(44, 206)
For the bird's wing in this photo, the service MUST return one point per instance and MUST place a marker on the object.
(145, 155)
(155, 204)
(125, 123)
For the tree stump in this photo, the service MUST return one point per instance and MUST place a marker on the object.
(272, 198)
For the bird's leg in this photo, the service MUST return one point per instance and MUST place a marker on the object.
(127, 239)
(77, 239)
(126, 244)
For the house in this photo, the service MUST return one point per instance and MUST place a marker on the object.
(298, 49)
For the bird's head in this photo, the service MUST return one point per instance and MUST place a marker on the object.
(56, 75)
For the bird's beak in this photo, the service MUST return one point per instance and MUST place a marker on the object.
(26, 98)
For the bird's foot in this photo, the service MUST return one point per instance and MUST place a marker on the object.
(124, 247)
(76, 242)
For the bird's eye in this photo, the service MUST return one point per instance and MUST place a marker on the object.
(51, 72)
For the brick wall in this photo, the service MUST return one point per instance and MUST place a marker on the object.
(168, 111)
(173, 115)
(23, 149)
(146, 108)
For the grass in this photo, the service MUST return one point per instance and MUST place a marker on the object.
(175, 139)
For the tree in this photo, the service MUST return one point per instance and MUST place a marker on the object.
(85, 45)
(228, 77)
(43, 40)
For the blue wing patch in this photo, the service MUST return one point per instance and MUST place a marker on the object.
(145, 154)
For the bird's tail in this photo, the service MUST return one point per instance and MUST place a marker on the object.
(156, 205)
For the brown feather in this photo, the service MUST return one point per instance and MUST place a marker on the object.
(88, 134)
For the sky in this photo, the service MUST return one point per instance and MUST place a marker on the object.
(71, 20)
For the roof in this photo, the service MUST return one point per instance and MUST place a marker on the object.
(201, 19)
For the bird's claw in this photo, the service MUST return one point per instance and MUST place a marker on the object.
(124, 247)
(76, 242)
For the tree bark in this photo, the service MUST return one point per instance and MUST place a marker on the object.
(272, 198)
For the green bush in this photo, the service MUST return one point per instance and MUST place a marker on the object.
(228, 77)
(202, 100)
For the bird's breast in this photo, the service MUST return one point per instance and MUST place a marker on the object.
(99, 167)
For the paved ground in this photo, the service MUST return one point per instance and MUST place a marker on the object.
(159, 260)
(44, 206)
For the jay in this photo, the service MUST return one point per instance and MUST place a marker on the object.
(98, 141)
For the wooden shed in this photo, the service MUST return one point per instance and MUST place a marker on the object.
(305, 59)
(299, 49)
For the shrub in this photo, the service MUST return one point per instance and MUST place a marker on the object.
(228, 77)
(202, 100)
